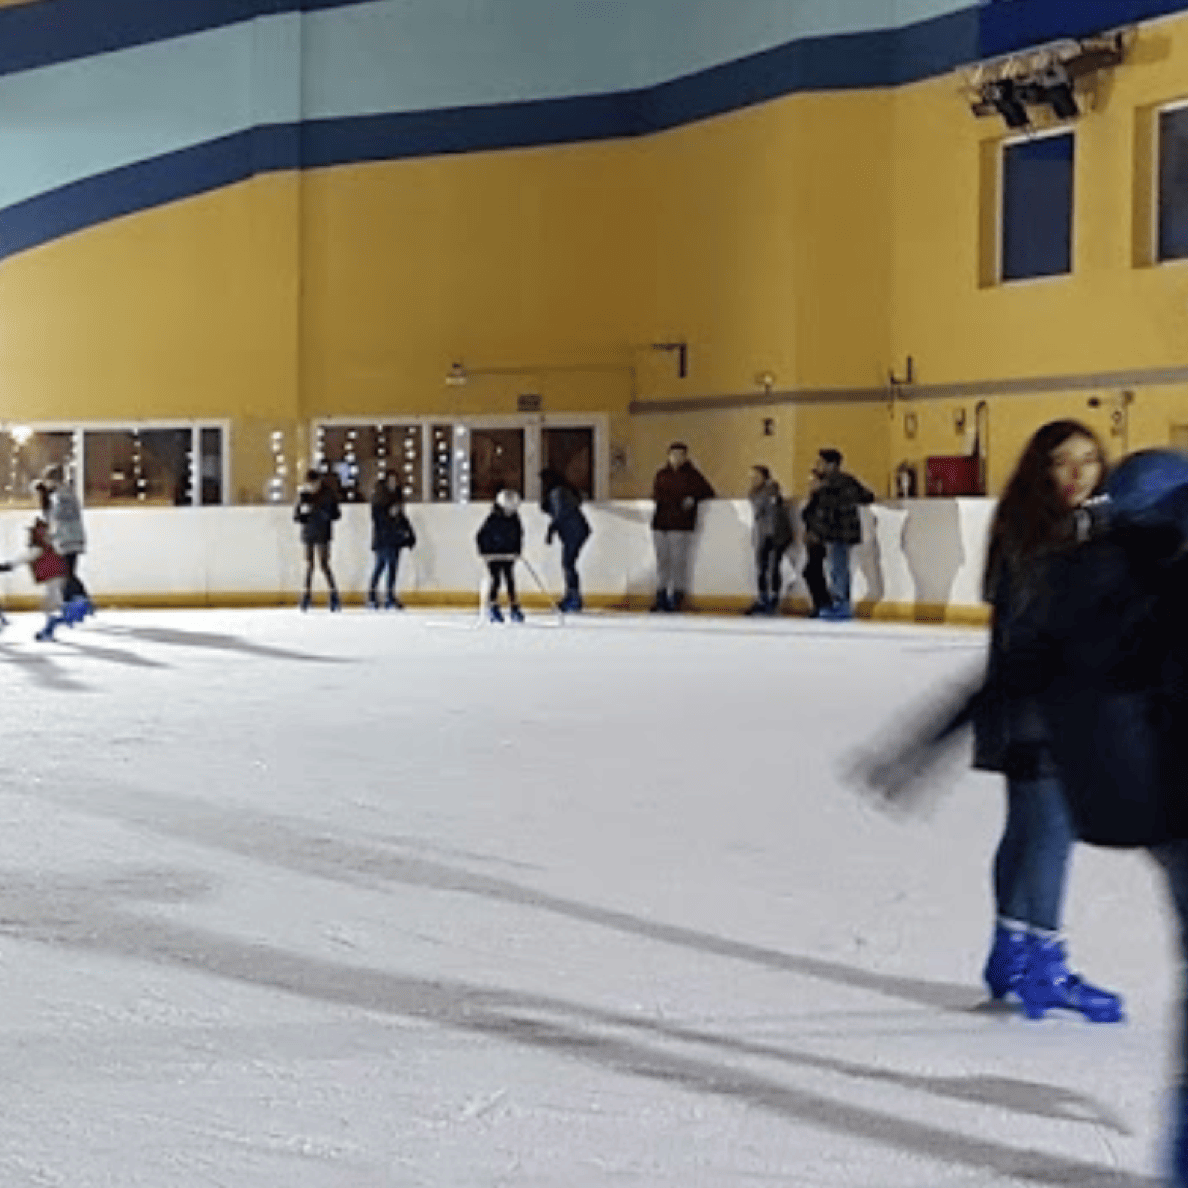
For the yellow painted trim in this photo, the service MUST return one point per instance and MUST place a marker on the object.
(893, 612)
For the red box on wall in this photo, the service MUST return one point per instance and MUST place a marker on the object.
(956, 475)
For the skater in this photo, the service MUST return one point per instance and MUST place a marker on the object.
(678, 489)
(316, 510)
(391, 532)
(1099, 655)
(562, 503)
(48, 567)
(831, 518)
(63, 515)
(500, 541)
(1041, 514)
(771, 535)
(814, 568)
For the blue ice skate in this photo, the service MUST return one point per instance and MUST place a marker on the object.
(1049, 985)
(76, 610)
(1007, 961)
(516, 615)
(46, 634)
(494, 614)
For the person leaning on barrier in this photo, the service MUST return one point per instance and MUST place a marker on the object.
(833, 520)
(771, 535)
(678, 489)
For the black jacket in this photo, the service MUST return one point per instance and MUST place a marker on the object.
(832, 510)
(316, 511)
(502, 532)
(1104, 653)
(390, 526)
(563, 505)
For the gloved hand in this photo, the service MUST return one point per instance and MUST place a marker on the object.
(549, 535)
(6, 567)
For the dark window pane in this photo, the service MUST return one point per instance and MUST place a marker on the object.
(25, 454)
(361, 455)
(1173, 185)
(211, 466)
(1037, 203)
(570, 452)
(138, 466)
(496, 462)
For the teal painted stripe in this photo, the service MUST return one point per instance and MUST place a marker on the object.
(68, 122)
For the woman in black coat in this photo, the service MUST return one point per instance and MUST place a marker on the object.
(391, 533)
(1041, 516)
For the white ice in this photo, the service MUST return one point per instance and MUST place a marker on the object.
(376, 900)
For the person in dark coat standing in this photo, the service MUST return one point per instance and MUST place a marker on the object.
(391, 533)
(771, 535)
(678, 489)
(500, 542)
(562, 503)
(814, 567)
(833, 521)
(1041, 515)
(316, 510)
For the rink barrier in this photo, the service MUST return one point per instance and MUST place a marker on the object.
(920, 559)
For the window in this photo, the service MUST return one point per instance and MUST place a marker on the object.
(1037, 206)
(1173, 184)
(496, 462)
(25, 453)
(450, 461)
(570, 452)
(361, 455)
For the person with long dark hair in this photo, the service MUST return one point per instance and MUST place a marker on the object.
(1044, 510)
(391, 533)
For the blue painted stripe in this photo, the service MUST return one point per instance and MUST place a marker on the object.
(870, 60)
(1013, 24)
(53, 31)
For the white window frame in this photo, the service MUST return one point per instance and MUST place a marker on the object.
(79, 429)
(531, 423)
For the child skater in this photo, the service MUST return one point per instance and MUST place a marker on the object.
(49, 568)
(500, 540)
(391, 532)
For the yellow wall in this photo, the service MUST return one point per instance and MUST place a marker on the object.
(820, 238)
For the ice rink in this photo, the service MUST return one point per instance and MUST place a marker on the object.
(379, 900)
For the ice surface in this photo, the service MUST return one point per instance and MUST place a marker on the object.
(362, 901)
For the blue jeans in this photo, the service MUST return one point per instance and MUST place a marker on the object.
(387, 559)
(571, 546)
(837, 558)
(1032, 857)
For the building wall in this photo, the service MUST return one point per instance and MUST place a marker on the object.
(289, 211)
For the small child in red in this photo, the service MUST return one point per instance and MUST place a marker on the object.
(49, 569)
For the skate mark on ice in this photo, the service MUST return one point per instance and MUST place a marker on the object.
(95, 918)
(176, 637)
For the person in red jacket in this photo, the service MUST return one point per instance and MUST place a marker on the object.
(49, 568)
(677, 490)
